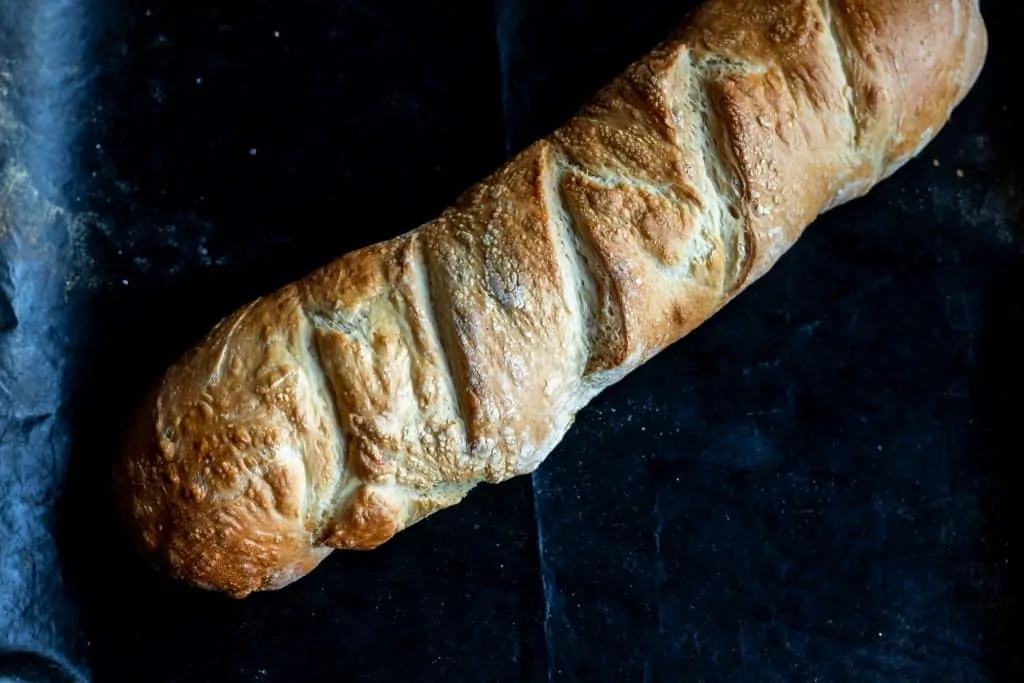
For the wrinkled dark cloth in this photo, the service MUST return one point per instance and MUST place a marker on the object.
(814, 486)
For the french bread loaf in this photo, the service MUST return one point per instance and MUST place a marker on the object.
(347, 406)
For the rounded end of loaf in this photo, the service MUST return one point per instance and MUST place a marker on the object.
(911, 63)
(231, 464)
(234, 477)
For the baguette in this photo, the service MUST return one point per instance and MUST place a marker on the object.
(351, 404)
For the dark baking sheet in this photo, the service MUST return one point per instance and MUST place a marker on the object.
(814, 486)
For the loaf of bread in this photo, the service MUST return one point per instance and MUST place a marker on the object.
(347, 406)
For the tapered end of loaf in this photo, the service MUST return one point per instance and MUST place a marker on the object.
(230, 462)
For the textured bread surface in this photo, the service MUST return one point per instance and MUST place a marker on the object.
(383, 387)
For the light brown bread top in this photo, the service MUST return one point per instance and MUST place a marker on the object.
(347, 406)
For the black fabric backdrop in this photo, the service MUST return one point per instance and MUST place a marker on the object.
(814, 486)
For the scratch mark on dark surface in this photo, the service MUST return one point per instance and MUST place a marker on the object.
(502, 28)
(546, 580)
(659, 525)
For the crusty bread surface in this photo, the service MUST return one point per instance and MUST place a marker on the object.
(381, 388)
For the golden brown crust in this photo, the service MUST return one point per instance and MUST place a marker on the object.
(340, 410)
(903, 81)
(499, 296)
(230, 456)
